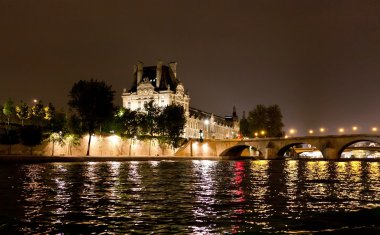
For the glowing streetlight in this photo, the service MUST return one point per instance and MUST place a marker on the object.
(35, 101)
(286, 136)
(322, 129)
(354, 128)
(311, 132)
(341, 130)
(292, 132)
(262, 132)
(256, 134)
(374, 129)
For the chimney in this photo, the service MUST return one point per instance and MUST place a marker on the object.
(134, 72)
(234, 115)
(158, 73)
(139, 72)
(173, 67)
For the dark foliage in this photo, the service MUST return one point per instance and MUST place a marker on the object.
(93, 102)
(31, 136)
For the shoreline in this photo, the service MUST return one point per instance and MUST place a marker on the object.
(51, 159)
(30, 159)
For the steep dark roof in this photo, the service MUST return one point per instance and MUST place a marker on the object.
(167, 78)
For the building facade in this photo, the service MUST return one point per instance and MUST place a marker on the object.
(161, 84)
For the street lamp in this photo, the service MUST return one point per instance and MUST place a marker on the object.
(341, 130)
(262, 132)
(311, 132)
(322, 129)
(354, 128)
(292, 132)
(374, 129)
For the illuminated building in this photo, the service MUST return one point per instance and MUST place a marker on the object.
(161, 84)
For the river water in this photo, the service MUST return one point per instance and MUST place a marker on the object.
(191, 197)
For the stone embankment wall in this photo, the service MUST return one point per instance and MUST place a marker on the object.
(100, 146)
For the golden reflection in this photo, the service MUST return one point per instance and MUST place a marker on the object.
(205, 185)
(374, 176)
(317, 183)
(260, 178)
(63, 196)
(135, 177)
(317, 170)
(349, 175)
(291, 177)
(356, 167)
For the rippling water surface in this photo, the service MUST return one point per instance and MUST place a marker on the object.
(190, 197)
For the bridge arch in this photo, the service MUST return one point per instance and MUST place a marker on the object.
(375, 147)
(300, 150)
(239, 150)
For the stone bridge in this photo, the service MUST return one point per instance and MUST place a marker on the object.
(331, 146)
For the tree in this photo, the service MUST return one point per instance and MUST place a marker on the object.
(22, 112)
(244, 127)
(37, 113)
(49, 112)
(149, 121)
(58, 122)
(127, 122)
(265, 121)
(9, 136)
(8, 109)
(71, 140)
(2, 116)
(92, 100)
(274, 123)
(172, 123)
(31, 136)
(55, 137)
(257, 119)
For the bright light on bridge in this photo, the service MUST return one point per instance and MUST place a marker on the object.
(311, 132)
(341, 130)
(374, 129)
(322, 129)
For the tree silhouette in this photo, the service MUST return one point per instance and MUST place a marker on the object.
(92, 100)
(31, 136)
(9, 109)
(22, 112)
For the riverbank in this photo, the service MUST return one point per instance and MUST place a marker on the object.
(30, 159)
(47, 159)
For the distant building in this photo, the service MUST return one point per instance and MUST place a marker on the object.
(161, 84)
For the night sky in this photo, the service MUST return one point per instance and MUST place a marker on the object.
(318, 60)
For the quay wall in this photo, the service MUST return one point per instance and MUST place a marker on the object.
(100, 146)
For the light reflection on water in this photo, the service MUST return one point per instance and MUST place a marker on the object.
(191, 197)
